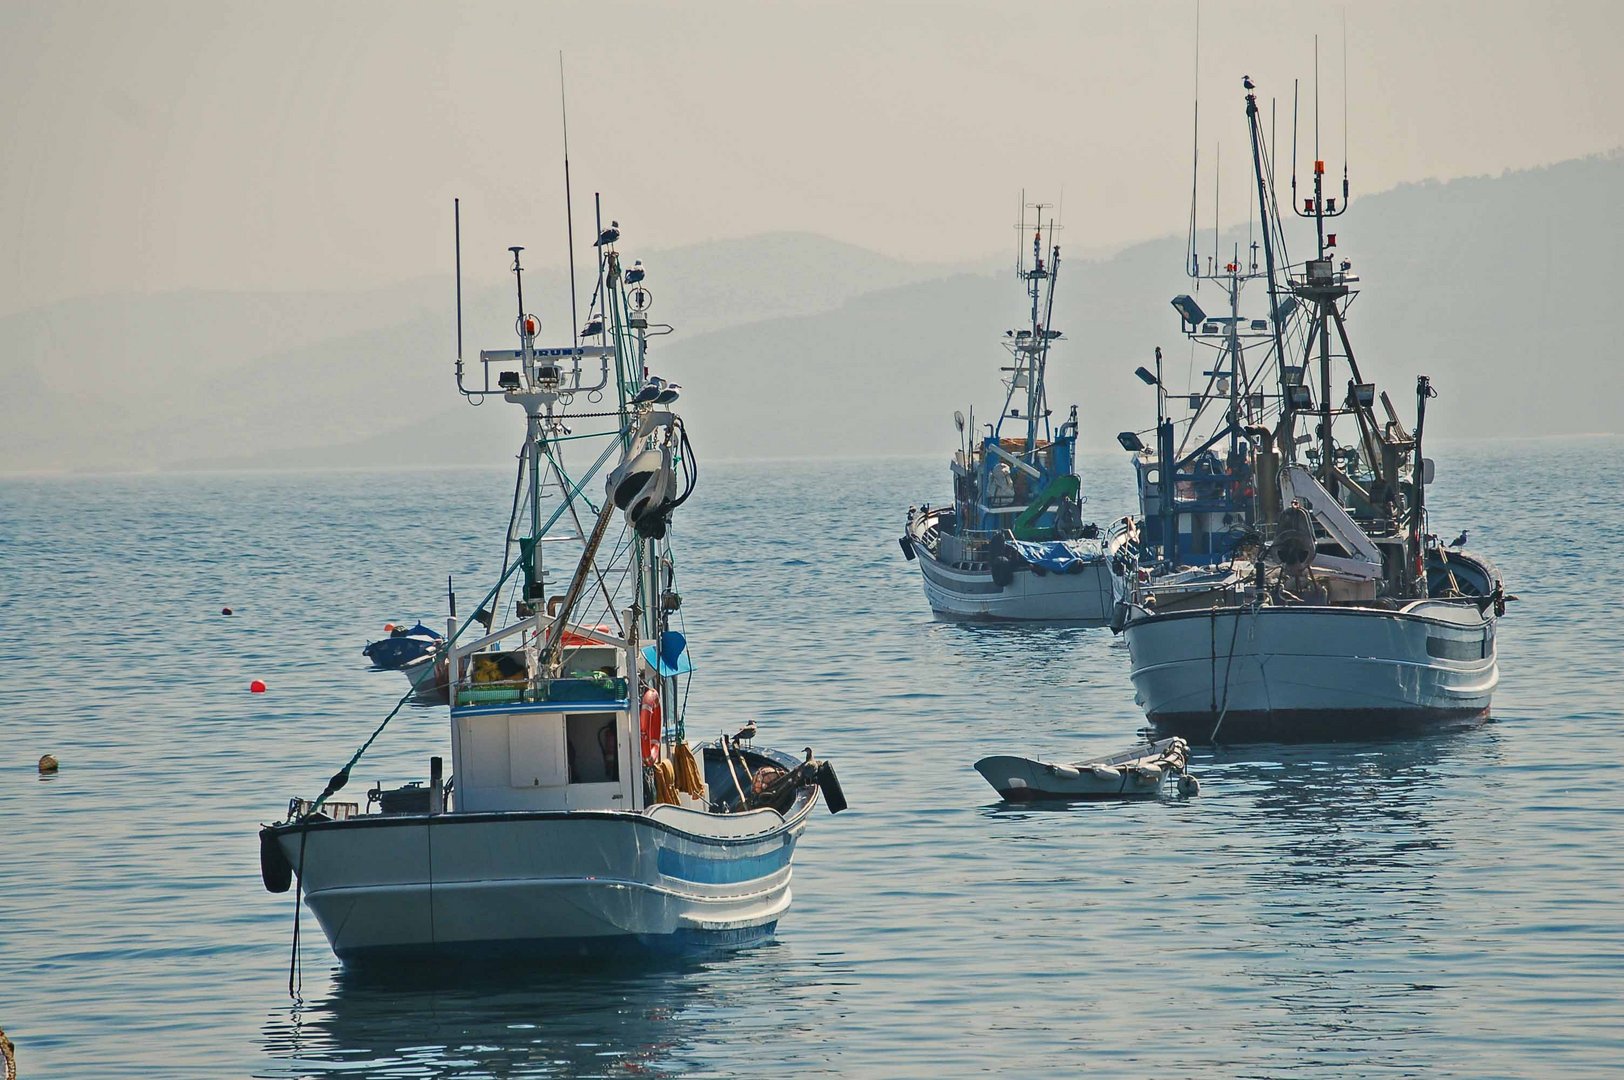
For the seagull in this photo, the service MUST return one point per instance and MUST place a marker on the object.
(1246, 81)
(747, 733)
(668, 394)
(594, 325)
(635, 274)
(609, 235)
(1347, 264)
(1459, 541)
(650, 391)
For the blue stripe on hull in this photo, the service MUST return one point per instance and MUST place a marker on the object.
(561, 951)
(708, 871)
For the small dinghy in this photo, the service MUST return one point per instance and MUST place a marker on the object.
(403, 645)
(1136, 773)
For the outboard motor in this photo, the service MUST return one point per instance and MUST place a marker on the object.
(1294, 540)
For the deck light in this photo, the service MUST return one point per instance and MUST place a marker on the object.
(1189, 310)
(1130, 442)
(1145, 376)
(1362, 394)
(1298, 396)
(508, 380)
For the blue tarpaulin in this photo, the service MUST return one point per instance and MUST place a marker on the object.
(1057, 556)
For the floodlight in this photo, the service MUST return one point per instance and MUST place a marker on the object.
(1145, 376)
(1130, 442)
(1189, 310)
(1299, 397)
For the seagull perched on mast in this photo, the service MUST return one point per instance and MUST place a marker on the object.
(609, 235)
(594, 325)
(668, 394)
(1246, 81)
(1459, 541)
(650, 391)
(635, 274)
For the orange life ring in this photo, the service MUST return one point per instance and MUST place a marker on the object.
(650, 721)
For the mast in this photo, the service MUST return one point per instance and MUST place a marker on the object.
(528, 326)
(1286, 441)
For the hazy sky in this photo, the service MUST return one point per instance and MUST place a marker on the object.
(292, 145)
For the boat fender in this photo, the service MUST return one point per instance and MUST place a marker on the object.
(1105, 772)
(1189, 786)
(1065, 772)
(1148, 772)
(274, 869)
(907, 547)
(829, 784)
(650, 719)
(1003, 570)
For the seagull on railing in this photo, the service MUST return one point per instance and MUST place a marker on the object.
(635, 274)
(1459, 541)
(746, 734)
(650, 391)
(609, 235)
(668, 394)
(594, 325)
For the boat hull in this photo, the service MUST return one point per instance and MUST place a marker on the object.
(1290, 673)
(543, 886)
(1018, 779)
(958, 593)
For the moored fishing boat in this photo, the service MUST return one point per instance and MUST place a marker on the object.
(578, 817)
(1013, 543)
(1286, 584)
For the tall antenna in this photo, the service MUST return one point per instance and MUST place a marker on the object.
(569, 210)
(456, 232)
(1217, 172)
(1344, 106)
(1294, 83)
(1190, 255)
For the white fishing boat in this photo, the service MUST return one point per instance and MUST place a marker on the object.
(1140, 772)
(579, 817)
(1293, 588)
(1013, 544)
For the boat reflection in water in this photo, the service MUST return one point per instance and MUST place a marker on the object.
(617, 1019)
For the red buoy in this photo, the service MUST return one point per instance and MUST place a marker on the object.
(389, 628)
(256, 687)
(225, 611)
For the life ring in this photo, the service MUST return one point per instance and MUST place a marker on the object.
(650, 721)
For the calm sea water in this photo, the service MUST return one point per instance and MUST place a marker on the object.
(1451, 906)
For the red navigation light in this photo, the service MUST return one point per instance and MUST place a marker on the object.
(531, 326)
(1319, 168)
(1330, 239)
(1308, 206)
(1229, 268)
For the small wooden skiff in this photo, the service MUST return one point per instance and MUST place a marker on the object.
(1139, 772)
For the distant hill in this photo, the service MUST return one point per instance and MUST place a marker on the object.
(793, 345)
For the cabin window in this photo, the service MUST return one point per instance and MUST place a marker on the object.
(594, 748)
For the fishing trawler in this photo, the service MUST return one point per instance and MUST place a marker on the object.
(1283, 580)
(1013, 543)
(579, 817)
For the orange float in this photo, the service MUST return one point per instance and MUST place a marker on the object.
(650, 720)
